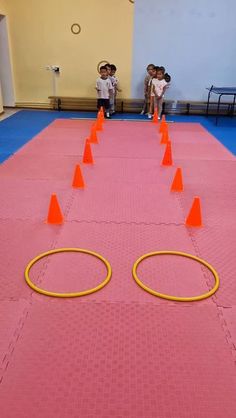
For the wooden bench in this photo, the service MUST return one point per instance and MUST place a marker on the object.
(136, 105)
(167, 106)
(90, 104)
(79, 103)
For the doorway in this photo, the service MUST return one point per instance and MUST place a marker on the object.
(6, 76)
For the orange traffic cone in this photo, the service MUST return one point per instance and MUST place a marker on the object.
(163, 126)
(167, 159)
(54, 212)
(155, 117)
(165, 137)
(194, 217)
(87, 157)
(99, 124)
(78, 181)
(93, 139)
(177, 185)
(101, 111)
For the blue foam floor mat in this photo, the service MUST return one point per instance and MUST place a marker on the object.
(21, 127)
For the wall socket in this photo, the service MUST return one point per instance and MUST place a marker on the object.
(54, 68)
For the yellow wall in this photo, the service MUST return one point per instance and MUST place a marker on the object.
(2, 12)
(40, 35)
(2, 7)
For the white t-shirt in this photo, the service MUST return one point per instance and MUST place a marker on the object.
(116, 83)
(103, 87)
(112, 79)
(158, 87)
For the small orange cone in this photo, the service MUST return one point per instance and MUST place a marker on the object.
(163, 127)
(165, 137)
(78, 181)
(177, 185)
(195, 217)
(87, 157)
(93, 139)
(167, 159)
(102, 114)
(99, 124)
(54, 212)
(102, 117)
(155, 117)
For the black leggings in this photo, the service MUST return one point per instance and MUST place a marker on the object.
(105, 103)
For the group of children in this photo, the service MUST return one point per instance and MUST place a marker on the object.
(107, 86)
(155, 84)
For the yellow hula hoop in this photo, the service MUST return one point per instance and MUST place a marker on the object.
(176, 298)
(67, 295)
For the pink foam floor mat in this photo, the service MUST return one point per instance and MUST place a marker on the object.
(217, 245)
(128, 203)
(119, 352)
(27, 199)
(192, 151)
(40, 167)
(122, 245)
(11, 323)
(20, 242)
(217, 210)
(219, 174)
(121, 360)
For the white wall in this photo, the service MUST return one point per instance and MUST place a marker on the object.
(194, 39)
(6, 77)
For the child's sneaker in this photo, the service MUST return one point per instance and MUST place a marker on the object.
(108, 115)
(149, 116)
(142, 113)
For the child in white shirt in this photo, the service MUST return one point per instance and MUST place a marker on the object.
(104, 89)
(116, 85)
(111, 96)
(159, 86)
(147, 83)
(151, 92)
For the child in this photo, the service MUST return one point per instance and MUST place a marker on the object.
(111, 97)
(159, 85)
(112, 94)
(104, 89)
(108, 67)
(115, 83)
(151, 92)
(147, 79)
(167, 77)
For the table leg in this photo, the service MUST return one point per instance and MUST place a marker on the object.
(218, 108)
(208, 101)
(233, 105)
